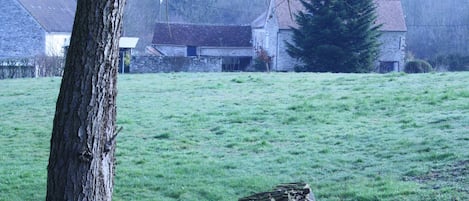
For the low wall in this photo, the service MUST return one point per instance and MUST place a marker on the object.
(40, 66)
(157, 64)
(10, 72)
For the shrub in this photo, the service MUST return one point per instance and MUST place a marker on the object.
(259, 65)
(301, 68)
(418, 66)
(451, 62)
(263, 60)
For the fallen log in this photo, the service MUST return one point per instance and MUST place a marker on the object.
(284, 192)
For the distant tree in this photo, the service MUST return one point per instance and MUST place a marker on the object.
(264, 59)
(190, 10)
(81, 161)
(336, 36)
(212, 11)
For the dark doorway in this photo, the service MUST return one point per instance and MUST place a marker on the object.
(235, 64)
(124, 60)
(387, 66)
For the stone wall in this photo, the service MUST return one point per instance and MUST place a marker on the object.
(284, 61)
(17, 68)
(20, 34)
(11, 72)
(392, 49)
(41, 66)
(156, 64)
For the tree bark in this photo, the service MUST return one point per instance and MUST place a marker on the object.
(81, 161)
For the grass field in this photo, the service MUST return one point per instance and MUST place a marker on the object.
(223, 136)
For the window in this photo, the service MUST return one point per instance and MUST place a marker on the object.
(387, 66)
(401, 43)
(191, 51)
(235, 64)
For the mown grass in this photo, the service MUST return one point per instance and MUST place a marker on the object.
(223, 136)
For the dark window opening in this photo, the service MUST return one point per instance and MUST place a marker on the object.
(235, 64)
(386, 66)
(191, 51)
(124, 61)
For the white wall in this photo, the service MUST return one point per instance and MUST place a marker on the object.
(172, 50)
(225, 51)
(266, 37)
(258, 38)
(55, 43)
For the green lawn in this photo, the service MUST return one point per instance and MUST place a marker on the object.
(222, 136)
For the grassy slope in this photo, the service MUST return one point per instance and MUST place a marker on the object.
(224, 136)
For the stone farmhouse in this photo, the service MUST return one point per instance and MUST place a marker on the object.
(273, 28)
(43, 27)
(35, 27)
(393, 36)
(230, 43)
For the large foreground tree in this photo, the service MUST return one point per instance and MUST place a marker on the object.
(336, 36)
(81, 163)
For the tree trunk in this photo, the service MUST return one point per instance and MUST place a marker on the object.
(81, 161)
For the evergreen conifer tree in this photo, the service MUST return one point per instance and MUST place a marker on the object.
(336, 36)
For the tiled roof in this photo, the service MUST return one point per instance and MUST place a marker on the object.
(286, 12)
(52, 15)
(390, 14)
(202, 35)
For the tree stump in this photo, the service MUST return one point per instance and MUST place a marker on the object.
(284, 192)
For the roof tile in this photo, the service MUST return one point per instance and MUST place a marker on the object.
(390, 14)
(202, 35)
(52, 15)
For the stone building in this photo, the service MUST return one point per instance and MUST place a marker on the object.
(393, 36)
(30, 28)
(273, 28)
(230, 43)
